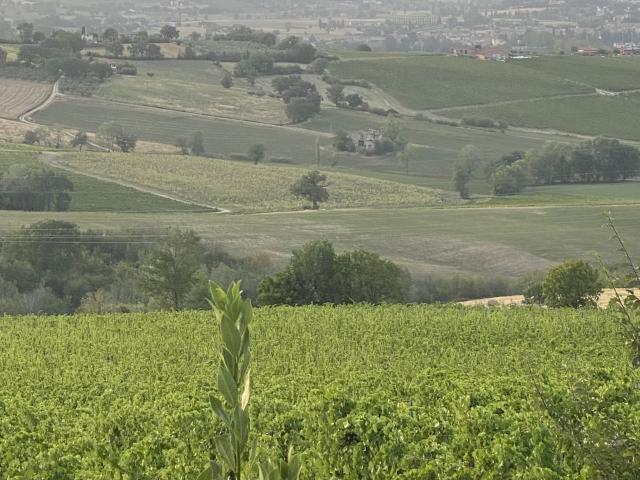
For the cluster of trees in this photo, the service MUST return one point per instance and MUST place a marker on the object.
(594, 161)
(140, 45)
(301, 97)
(317, 275)
(246, 34)
(54, 267)
(336, 95)
(34, 189)
(60, 55)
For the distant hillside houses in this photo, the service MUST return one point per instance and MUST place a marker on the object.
(627, 48)
(497, 53)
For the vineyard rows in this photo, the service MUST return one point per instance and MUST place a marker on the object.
(394, 392)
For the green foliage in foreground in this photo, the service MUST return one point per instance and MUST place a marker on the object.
(359, 392)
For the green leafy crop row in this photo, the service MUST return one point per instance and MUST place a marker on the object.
(404, 392)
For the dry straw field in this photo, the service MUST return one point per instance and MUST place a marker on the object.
(19, 96)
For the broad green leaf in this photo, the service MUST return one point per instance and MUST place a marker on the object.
(227, 386)
(226, 451)
(218, 409)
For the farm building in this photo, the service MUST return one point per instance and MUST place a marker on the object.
(367, 140)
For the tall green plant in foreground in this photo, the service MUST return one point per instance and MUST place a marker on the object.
(233, 315)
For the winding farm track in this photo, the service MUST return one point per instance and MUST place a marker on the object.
(26, 117)
(17, 96)
(49, 158)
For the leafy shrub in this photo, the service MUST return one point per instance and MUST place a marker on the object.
(573, 284)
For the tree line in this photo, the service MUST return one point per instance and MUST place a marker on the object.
(55, 267)
(34, 189)
(601, 160)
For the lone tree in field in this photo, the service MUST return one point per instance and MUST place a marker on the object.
(311, 187)
(404, 156)
(573, 284)
(110, 35)
(126, 142)
(171, 270)
(182, 144)
(335, 93)
(80, 140)
(463, 169)
(25, 30)
(257, 153)
(108, 132)
(227, 80)
(196, 143)
(169, 32)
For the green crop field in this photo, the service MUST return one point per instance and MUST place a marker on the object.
(370, 392)
(428, 82)
(595, 115)
(242, 186)
(487, 241)
(91, 195)
(598, 194)
(192, 86)
(433, 82)
(607, 73)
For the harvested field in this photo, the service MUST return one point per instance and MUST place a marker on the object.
(12, 131)
(19, 96)
(603, 302)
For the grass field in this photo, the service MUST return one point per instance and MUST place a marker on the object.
(242, 186)
(164, 126)
(20, 96)
(193, 86)
(92, 195)
(484, 241)
(601, 194)
(428, 82)
(418, 390)
(596, 115)
(433, 82)
(607, 73)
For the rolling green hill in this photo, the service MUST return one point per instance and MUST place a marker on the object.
(428, 82)
(594, 115)
(431, 82)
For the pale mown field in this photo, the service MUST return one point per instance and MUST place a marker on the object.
(193, 86)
